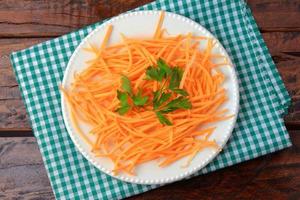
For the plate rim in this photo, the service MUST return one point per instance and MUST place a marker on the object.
(135, 179)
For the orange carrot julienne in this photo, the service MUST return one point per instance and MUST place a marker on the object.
(106, 37)
(138, 137)
(159, 24)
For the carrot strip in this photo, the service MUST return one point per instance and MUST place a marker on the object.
(159, 24)
(106, 37)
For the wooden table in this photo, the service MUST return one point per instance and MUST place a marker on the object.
(22, 173)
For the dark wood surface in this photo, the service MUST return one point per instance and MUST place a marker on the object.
(22, 173)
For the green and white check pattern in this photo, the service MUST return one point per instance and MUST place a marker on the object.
(263, 99)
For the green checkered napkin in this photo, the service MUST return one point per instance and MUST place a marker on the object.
(263, 99)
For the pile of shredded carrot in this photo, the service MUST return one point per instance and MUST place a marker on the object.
(138, 137)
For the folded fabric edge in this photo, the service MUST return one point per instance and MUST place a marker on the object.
(272, 76)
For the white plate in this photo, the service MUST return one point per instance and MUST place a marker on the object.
(142, 24)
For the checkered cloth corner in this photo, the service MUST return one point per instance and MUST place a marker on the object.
(259, 129)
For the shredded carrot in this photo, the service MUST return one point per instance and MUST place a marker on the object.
(107, 36)
(159, 24)
(138, 137)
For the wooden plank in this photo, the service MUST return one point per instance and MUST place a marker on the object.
(284, 47)
(54, 18)
(12, 110)
(276, 15)
(22, 170)
(13, 115)
(276, 176)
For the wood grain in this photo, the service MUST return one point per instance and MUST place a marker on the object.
(22, 172)
(278, 175)
(54, 18)
(12, 110)
(284, 47)
(276, 15)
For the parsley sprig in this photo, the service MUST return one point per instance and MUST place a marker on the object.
(168, 98)
(126, 94)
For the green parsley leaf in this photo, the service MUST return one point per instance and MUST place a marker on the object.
(178, 103)
(153, 73)
(126, 85)
(123, 98)
(156, 96)
(164, 68)
(158, 73)
(162, 119)
(180, 91)
(162, 99)
(176, 76)
(139, 100)
(123, 109)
